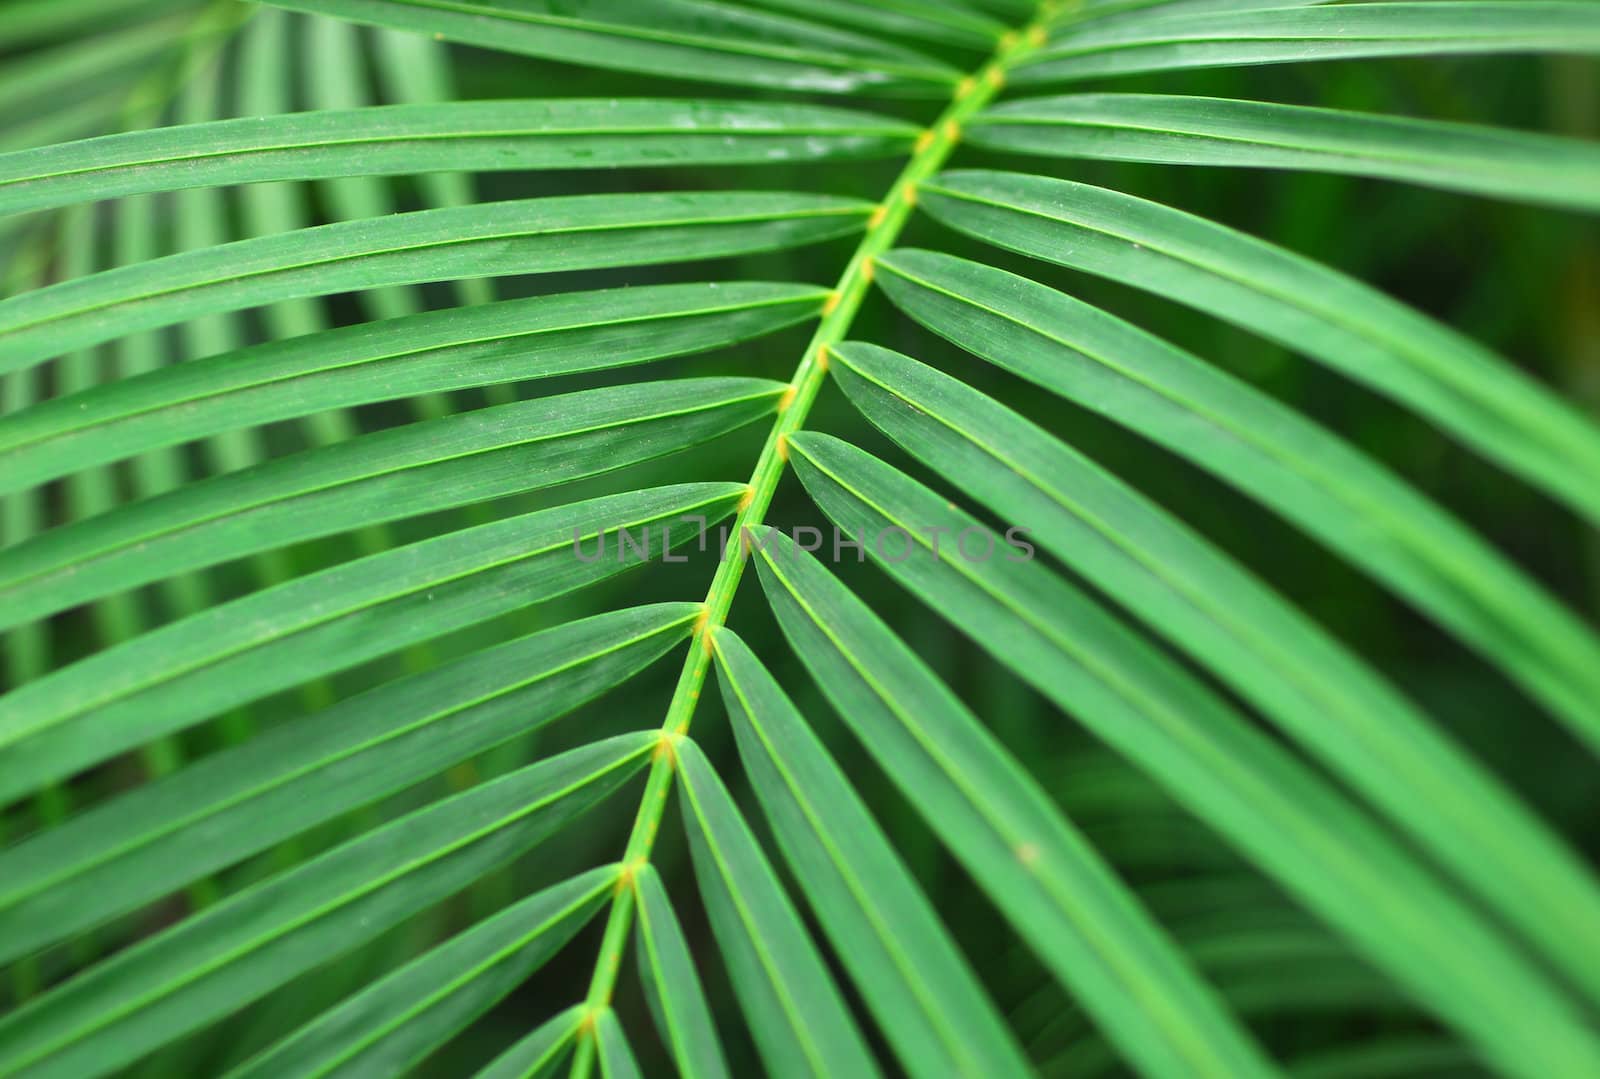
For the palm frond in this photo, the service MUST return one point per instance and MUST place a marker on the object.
(343, 542)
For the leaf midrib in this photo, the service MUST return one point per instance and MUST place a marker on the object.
(933, 147)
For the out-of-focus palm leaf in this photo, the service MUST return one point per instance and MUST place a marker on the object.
(685, 39)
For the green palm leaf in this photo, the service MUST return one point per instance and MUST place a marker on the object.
(1041, 872)
(135, 849)
(423, 467)
(266, 935)
(1272, 454)
(616, 1056)
(677, 1000)
(541, 1052)
(201, 666)
(516, 340)
(408, 139)
(1356, 330)
(1184, 130)
(797, 1016)
(28, 21)
(1334, 32)
(885, 930)
(318, 482)
(951, 23)
(695, 39)
(1149, 710)
(388, 1026)
(533, 236)
(1186, 589)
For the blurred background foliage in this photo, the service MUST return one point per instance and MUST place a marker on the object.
(1523, 280)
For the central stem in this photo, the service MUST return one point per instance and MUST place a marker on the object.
(932, 149)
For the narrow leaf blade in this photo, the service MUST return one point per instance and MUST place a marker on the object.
(1271, 454)
(405, 140)
(389, 1026)
(1353, 329)
(1188, 130)
(1307, 33)
(885, 931)
(1294, 672)
(527, 236)
(227, 655)
(136, 848)
(616, 1056)
(666, 968)
(799, 1021)
(539, 1055)
(384, 476)
(234, 952)
(1051, 885)
(682, 39)
(1229, 774)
